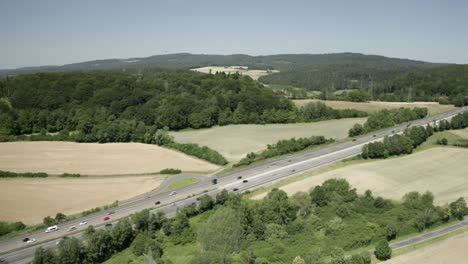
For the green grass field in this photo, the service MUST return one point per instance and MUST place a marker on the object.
(433, 107)
(235, 141)
(180, 184)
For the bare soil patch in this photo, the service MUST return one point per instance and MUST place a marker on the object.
(94, 158)
(30, 200)
(434, 108)
(448, 251)
(235, 141)
(441, 170)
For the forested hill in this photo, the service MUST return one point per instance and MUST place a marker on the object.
(447, 84)
(283, 62)
(105, 106)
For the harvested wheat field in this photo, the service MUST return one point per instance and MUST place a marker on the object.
(448, 251)
(31, 199)
(254, 74)
(434, 108)
(94, 158)
(235, 141)
(441, 170)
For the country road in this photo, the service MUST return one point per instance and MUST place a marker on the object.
(250, 178)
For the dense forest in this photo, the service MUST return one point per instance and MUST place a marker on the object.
(107, 106)
(327, 225)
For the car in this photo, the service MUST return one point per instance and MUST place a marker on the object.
(57, 242)
(293, 170)
(26, 239)
(244, 181)
(172, 204)
(240, 177)
(157, 202)
(289, 160)
(214, 181)
(31, 241)
(111, 212)
(393, 131)
(354, 139)
(374, 135)
(173, 193)
(51, 229)
(235, 189)
(83, 223)
(71, 228)
(106, 218)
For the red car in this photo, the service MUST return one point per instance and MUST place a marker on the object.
(106, 218)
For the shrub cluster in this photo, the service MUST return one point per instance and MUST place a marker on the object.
(9, 174)
(6, 228)
(170, 171)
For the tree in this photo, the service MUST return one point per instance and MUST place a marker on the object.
(122, 234)
(44, 256)
(222, 233)
(99, 247)
(458, 208)
(277, 209)
(206, 203)
(70, 251)
(49, 221)
(362, 258)
(59, 217)
(383, 250)
(356, 130)
(303, 202)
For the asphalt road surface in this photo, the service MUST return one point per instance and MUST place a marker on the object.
(250, 178)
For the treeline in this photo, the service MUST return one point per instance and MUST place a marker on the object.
(397, 144)
(170, 171)
(315, 227)
(283, 147)
(387, 118)
(9, 174)
(411, 138)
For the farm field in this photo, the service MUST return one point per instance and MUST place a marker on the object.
(31, 199)
(433, 107)
(451, 250)
(235, 141)
(94, 158)
(393, 178)
(254, 74)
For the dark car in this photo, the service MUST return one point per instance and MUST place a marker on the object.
(244, 181)
(354, 139)
(156, 203)
(374, 135)
(240, 177)
(26, 239)
(111, 212)
(235, 189)
(214, 181)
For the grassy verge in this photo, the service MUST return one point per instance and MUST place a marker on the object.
(180, 184)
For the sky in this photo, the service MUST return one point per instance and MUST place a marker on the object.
(56, 32)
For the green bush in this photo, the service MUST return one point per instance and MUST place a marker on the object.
(70, 175)
(383, 250)
(170, 171)
(6, 228)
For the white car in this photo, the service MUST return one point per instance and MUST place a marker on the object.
(83, 223)
(71, 228)
(31, 241)
(173, 193)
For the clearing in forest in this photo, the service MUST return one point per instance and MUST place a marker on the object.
(254, 74)
(235, 141)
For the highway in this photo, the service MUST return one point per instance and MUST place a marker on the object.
(16, 251)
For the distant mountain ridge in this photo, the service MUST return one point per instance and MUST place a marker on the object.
(281, 62)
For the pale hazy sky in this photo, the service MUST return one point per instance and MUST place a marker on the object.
(45, 32)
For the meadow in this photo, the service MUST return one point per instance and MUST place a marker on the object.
(235, 141)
